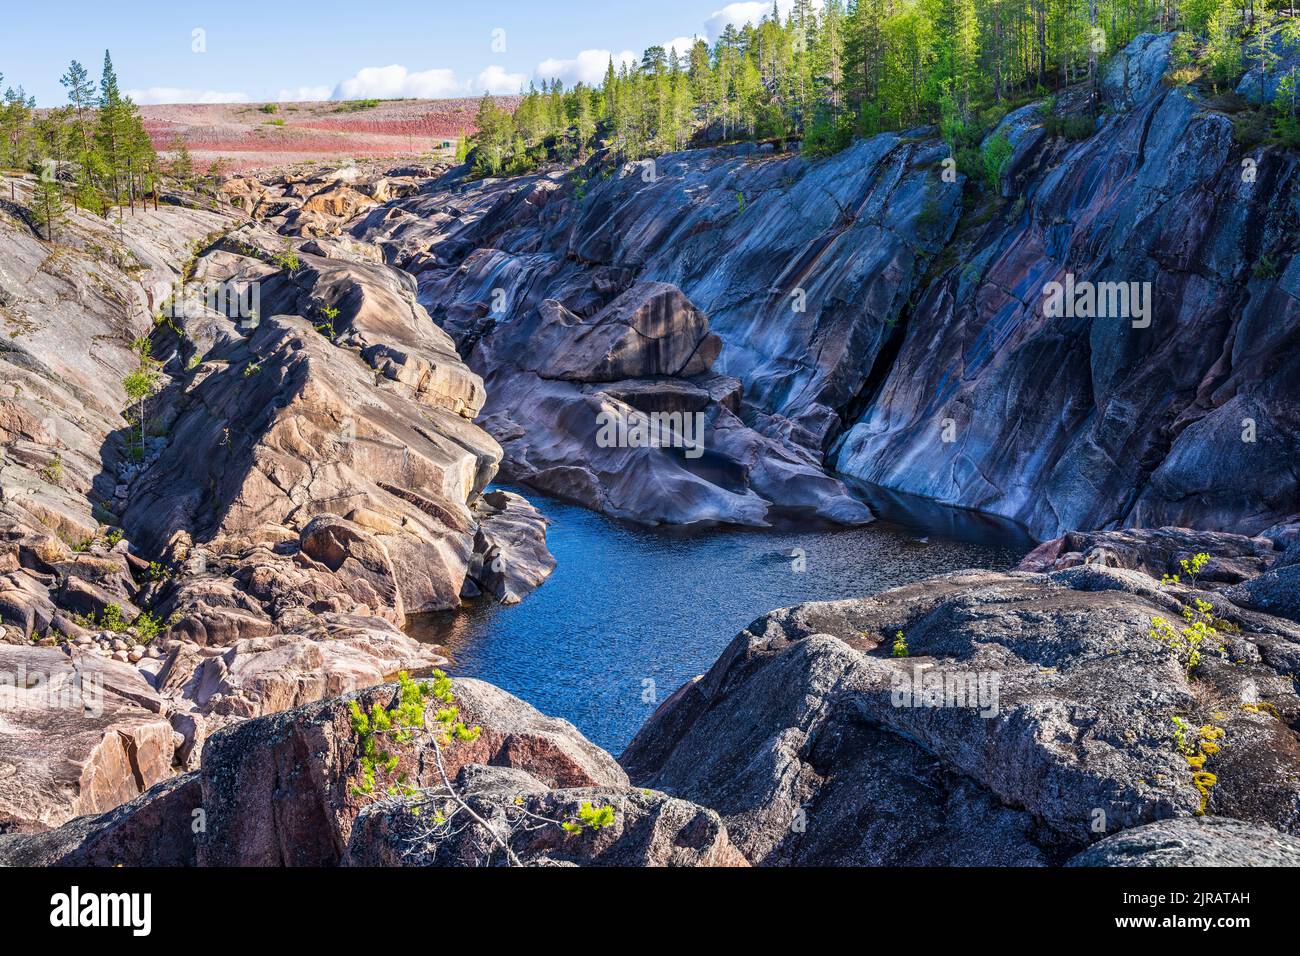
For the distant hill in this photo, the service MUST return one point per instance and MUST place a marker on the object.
(258, 135)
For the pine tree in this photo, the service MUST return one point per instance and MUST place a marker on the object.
(81, 95)
(182, 165)
(47, 201)
(112, 133)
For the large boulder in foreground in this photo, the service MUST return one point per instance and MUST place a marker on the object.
(287, 790)
(1053, 723)
(647, 829)
(155, 829)
(1210, 841)
(280, 790)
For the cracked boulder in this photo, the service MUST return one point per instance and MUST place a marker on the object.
(78, 735)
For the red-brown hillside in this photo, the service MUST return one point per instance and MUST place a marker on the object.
(253, 136)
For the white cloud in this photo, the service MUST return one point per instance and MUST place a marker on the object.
(498, 82)
(396, 82)
(747, 12)
(177, 94)
(587, 67)
(681, 45)
(301, 94)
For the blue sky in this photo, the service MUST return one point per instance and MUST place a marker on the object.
(273, 50)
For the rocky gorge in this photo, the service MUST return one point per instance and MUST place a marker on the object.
(198, 588)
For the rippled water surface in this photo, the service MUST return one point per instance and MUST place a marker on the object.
(629, 605)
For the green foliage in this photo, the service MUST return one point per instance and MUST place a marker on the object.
(287, 259)
(828, 134)
(398, 726)
(589, 818)
(109, 619)
(270, 108)
(1073, 127)
(900, 646)
(329, 314)
(139, 384)
(1192, 567)
(1265, 268)
(995, 158)
(1251, 128)
(1222, 54)
(1287, 131)
(823, 73)
(1186, 643)
(53, 470)
(93, 152)
(148, 627)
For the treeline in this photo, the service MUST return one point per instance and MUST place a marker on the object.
(92, 152)
(848, 68)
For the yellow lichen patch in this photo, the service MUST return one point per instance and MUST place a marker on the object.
(1208, 738)
(1262, 707)
(1204, 782)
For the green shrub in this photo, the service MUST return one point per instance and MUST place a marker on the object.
(52, 473)
(589, 818)
(1265, 268)
(380, 726)
(995, 158)
(148, 627)
(1287, 131)
(1250, 128)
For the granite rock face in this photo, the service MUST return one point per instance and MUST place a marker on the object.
(801, 271)
(1183, 415)
(1033, 714)
(251, 537)
(77, 736)
(872, 331)
(980, 718)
